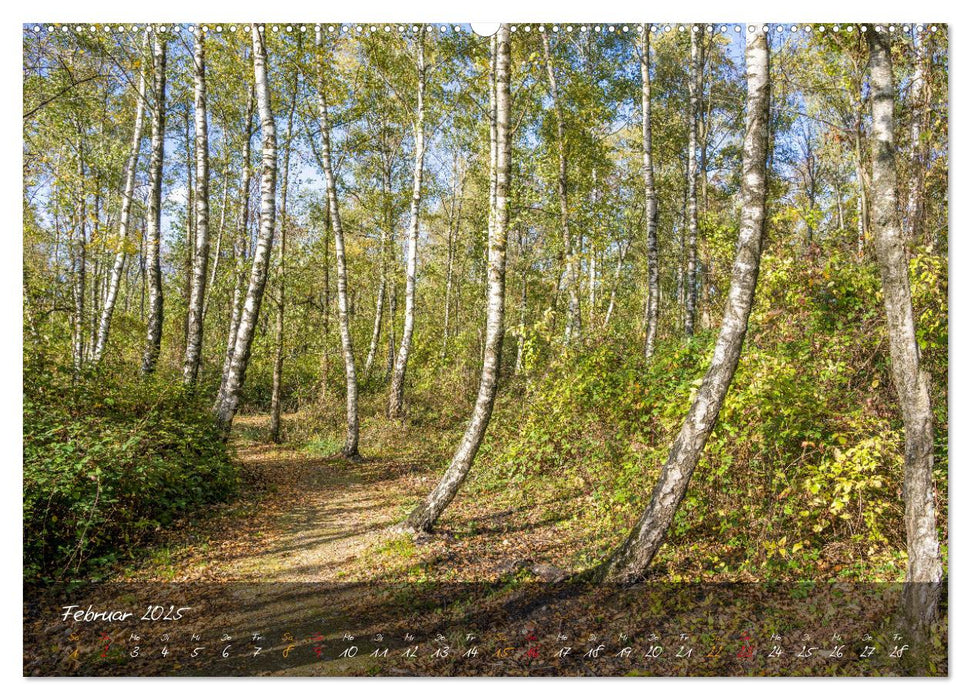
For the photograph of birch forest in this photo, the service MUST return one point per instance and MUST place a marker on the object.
(413, 303)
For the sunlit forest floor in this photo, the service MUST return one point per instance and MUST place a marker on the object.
(305, 517)
(304, 514)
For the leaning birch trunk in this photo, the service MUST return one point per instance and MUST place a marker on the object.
(691, 287)
(153, 262)
(650, 196)
(924, 570)
(229, 401)
(397, 394)
(117, 270)
(424, 517)
(631, 561)
(275, 396)
(200, 259)
(239, 249)
(562, 188)
(347, 345)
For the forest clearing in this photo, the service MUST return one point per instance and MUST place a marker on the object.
(455, 324)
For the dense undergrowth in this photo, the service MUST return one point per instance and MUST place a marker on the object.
(802, 474)
(107, 463)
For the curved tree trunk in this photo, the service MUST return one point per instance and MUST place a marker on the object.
(924, 570)
(691, 243)
(239, 249)
(397, 394)
(631, 561)
(200, 259)
(264, 242)
(127, 195)
(153, 261)
(650, 196)
(347, 345)
(424, 517)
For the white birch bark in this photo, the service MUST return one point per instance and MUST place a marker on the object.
(691, 243)
(424, 517)
(275, 396)
(239, 248)
(562, 187)
(153, 262)
(229, 401)
(200, 258)
(350, 450)
(397, 393)
(924, 569)
(650, 196)
(131, 167)
(631, 561)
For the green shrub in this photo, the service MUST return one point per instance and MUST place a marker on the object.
(106, 463)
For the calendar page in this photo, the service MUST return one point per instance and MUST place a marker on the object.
(426, 349)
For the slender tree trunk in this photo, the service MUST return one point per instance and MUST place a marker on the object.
(650, 196)
(397, 394)
(217, 253)
(562, 188)
(614, 285)
(424, 517)
(79, 251)
(592, 257)
(919, 143)
(455, 215)
(153, 233)
(691, 287)
(924, 569)
(523, 301)
(863, 205)
(350, 372)
(383, 275)
(264, 243)
(392, 338)
(190, 231)
(631, 561)
(131, 167)
(325, 352)
(241, 244)
(275, 397)
(193, 345)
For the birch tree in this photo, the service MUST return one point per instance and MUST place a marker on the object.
(153, 262)
(275, 400)
(200, 258)
(124, 218)
(233, 382)
(350, 450)
(240, 245)
(691, 243)
(562, 189)
(924, 569)
(396, 395)
(631, 561)
(424, 517)
(650, 196)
